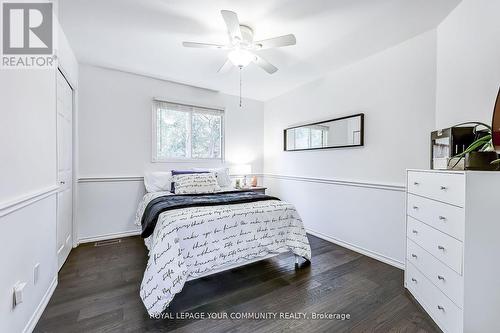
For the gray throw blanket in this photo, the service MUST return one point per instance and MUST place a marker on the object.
(171, 202)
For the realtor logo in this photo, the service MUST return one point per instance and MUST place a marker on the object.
(27, 35)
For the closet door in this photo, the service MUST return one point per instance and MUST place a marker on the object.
(64, 168)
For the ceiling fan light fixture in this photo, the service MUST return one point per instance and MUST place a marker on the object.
(241, 45)
(240, 57)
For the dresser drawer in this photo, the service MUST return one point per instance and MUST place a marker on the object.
(443, 247)
(443, 277)
(445, 187)
(447, 218)
(447, 315)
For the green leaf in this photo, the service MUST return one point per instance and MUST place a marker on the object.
(487, 145)
(476, 145)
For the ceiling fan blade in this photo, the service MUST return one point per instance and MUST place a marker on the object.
(226, 66)
(277, 42)
(232, 23)
(264, 64)
(202, 45)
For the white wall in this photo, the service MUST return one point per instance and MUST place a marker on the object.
(28, 188)
(28, 237)
(106, 209)
(114, 126)
(27, 107)
(468, 63)
(28, 168)
(396, 91)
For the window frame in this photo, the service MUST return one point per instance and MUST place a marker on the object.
(324, 136)
(194, 109)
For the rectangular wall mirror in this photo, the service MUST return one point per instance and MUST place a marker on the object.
(334, 133)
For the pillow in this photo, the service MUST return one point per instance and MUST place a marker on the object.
(158, 181)
(195, 183)
(222, 175)
(183, 172)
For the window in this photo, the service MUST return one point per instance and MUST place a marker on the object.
(313, 136)
(182, 132)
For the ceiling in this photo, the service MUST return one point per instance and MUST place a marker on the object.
(145, 36)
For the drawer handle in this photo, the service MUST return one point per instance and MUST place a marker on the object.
(414, 231)
(414, 255)
(415, 207)
(414, 280)
(440, 308)
(442, 218)
(440, 277)
(416, 183)
(62, 182)
(444, 188)
(440, 247)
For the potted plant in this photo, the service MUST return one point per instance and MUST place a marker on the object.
(480, 154)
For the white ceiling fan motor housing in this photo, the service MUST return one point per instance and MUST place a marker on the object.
(246, 35)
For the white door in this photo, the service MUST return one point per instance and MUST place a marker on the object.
(64, 168)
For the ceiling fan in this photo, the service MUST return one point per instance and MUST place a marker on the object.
(242, 45)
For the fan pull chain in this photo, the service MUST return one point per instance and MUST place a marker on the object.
(240, 84)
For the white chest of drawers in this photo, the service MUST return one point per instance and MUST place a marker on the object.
(453, 247)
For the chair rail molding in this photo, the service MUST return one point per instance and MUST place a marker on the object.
(344, 182)
(22, 201)
(109, 179)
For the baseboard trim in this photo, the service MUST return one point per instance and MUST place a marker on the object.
(342, 182)
(108, 236)
(355, 248)
(30, 326)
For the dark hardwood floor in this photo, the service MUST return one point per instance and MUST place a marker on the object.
(98, 292)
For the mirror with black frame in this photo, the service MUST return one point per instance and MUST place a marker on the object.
(334, 133)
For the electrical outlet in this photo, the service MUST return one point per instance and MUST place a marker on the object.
(18, 292)
(36, 272)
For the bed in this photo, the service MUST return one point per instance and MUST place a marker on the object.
(192, 236)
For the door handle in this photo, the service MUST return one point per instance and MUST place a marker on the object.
(62, 182)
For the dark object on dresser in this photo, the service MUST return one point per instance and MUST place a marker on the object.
(447, 143)
(481, 160)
